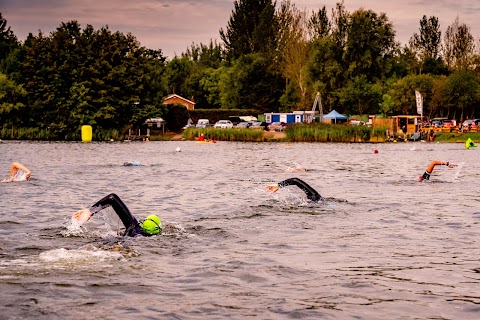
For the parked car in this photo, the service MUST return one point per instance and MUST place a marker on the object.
(259, 124)
(243, 124)
(357, 123)
(203, 123)
(448, 123)
(224, 124)
(276, 126)
(471, 123)
(438, 122)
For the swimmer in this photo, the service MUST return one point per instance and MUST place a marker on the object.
(148, 227)
(134, 163)
(311, 193)
(18, 172)
(296, 169)
(428, 172)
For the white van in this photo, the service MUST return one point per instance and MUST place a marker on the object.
(203, 123)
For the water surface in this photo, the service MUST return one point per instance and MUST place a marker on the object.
(382, 246)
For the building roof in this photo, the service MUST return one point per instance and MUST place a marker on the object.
(179, 97)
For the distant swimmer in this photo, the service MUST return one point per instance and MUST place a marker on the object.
(18, 172)
(428, 172)
(311, 193)
(290, 169)
(148, 227)
(296, 168)
(134, 164)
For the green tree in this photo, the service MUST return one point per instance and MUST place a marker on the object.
(387, 104)
(89, 76)
(293, 48)
(177, 71)
(209, 85)
(251, 83)
(360, 96)
(12, 97)
(430, 38)
(370, 45)
(8, 42)
(252, 28)
(319, 25)
(403, 94)
(427, 46)
(209, 56)
(459, 46)
(461, 95)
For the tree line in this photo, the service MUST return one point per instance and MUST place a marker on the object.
(272, 57)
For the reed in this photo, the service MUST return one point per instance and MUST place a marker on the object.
(318, 132)
(234, 134)
(41, 134)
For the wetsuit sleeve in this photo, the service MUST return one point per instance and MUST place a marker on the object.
(311, 193)
(129, 221)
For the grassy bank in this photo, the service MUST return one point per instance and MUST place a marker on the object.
(225, 134)
(457, 137)
(9, 133)
(317, 132)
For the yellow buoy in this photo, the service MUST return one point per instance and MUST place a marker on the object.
(86, 133)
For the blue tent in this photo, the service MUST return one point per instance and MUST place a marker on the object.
(334, 115)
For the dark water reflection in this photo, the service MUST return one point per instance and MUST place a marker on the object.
(381, 247)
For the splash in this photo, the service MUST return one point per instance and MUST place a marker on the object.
(19, 176)
(458, 171)
(86, 255)
(295, 168)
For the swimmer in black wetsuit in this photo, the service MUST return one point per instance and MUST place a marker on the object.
(134, 164)
(431, 166)
(150, 226)
(311, 193)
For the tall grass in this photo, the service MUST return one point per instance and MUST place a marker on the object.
(457, 137)
(9, 133)
(225, 134)
(318, 132)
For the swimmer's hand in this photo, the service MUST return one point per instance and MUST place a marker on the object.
(272, 188)
(28, 175)
(451, 165)
(82, 216)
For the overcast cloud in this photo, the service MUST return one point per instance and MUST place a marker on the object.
(172, 25)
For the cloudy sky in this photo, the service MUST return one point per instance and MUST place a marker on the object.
(172, 25)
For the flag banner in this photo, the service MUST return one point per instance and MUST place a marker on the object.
(419, 99)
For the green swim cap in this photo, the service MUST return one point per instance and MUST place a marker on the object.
(152, 224)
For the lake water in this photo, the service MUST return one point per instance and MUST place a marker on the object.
(382, 246)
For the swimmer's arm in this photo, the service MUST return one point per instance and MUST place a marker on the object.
(119, 207)
(439, 163)
(18, 166)
(311, 193)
